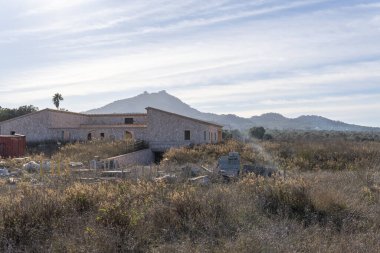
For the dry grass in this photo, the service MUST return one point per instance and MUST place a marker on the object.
(325, 154)
(313, 209)
(254, 214)
(209, 153)
(87, 150)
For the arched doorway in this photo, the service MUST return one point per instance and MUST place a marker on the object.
(128, 135)
(89, 136)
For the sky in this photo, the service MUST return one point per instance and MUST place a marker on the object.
(300, 57)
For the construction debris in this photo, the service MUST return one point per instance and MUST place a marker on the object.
(21, 159)
(4, 172)
(12, 180)
(31, 166)
(76, 164)
(191, 171)
(166, 178)
(229, 166)
(115, 173)
(202, 180)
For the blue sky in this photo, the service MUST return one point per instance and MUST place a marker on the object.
(244, 57)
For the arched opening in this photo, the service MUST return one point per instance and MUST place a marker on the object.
(89, 136)
(128, 135)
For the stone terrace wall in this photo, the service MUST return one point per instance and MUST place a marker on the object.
(142, 157)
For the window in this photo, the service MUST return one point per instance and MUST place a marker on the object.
(13, 132)
(101, 135)
(187, 135)
(128, 121)
(205, 135)
(89, 136)
(215, 136)
(209, 136)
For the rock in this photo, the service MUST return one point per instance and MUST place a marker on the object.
(191, 171)
(16, 173)
(75, 164)
(12, 180)
(4, 172)
(31, 166)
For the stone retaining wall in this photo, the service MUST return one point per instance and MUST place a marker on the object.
(142, 157)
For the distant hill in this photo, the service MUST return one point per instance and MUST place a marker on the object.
(309, 122)
(163, 100)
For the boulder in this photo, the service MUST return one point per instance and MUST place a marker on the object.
(31, 166)
(4, 172)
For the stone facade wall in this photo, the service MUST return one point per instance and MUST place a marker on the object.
(163, 130)
(116, 133)
(142, 157)
(34, 126)
(167, 130)
(116, 119)
(59, 119)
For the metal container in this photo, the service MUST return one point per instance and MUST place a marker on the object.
(12, 145)
(229, 166)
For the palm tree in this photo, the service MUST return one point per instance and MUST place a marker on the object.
(56, 99)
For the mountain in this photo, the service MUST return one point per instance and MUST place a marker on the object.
(309, 122)
(163, 100)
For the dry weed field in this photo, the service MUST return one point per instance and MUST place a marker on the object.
(325, 198)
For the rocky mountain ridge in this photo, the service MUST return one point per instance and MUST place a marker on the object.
(163, 100)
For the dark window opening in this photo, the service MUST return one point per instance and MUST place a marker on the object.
(102, 135)
(13, 132)
(187, 135)
(158, 156)
(128, 121)
(205, 135)
(89, 136)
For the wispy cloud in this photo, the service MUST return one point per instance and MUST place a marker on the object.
(244, 57)
(49, 6)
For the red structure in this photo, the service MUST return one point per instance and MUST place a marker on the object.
(12, 145)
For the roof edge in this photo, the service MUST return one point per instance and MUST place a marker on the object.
(186, 117)
(23, 116)
(73, 113)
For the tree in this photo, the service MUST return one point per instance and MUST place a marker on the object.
(56, 99)
(7, 113)
(231, 134)
(257, 132)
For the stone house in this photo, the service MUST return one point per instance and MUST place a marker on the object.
(160, 129)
